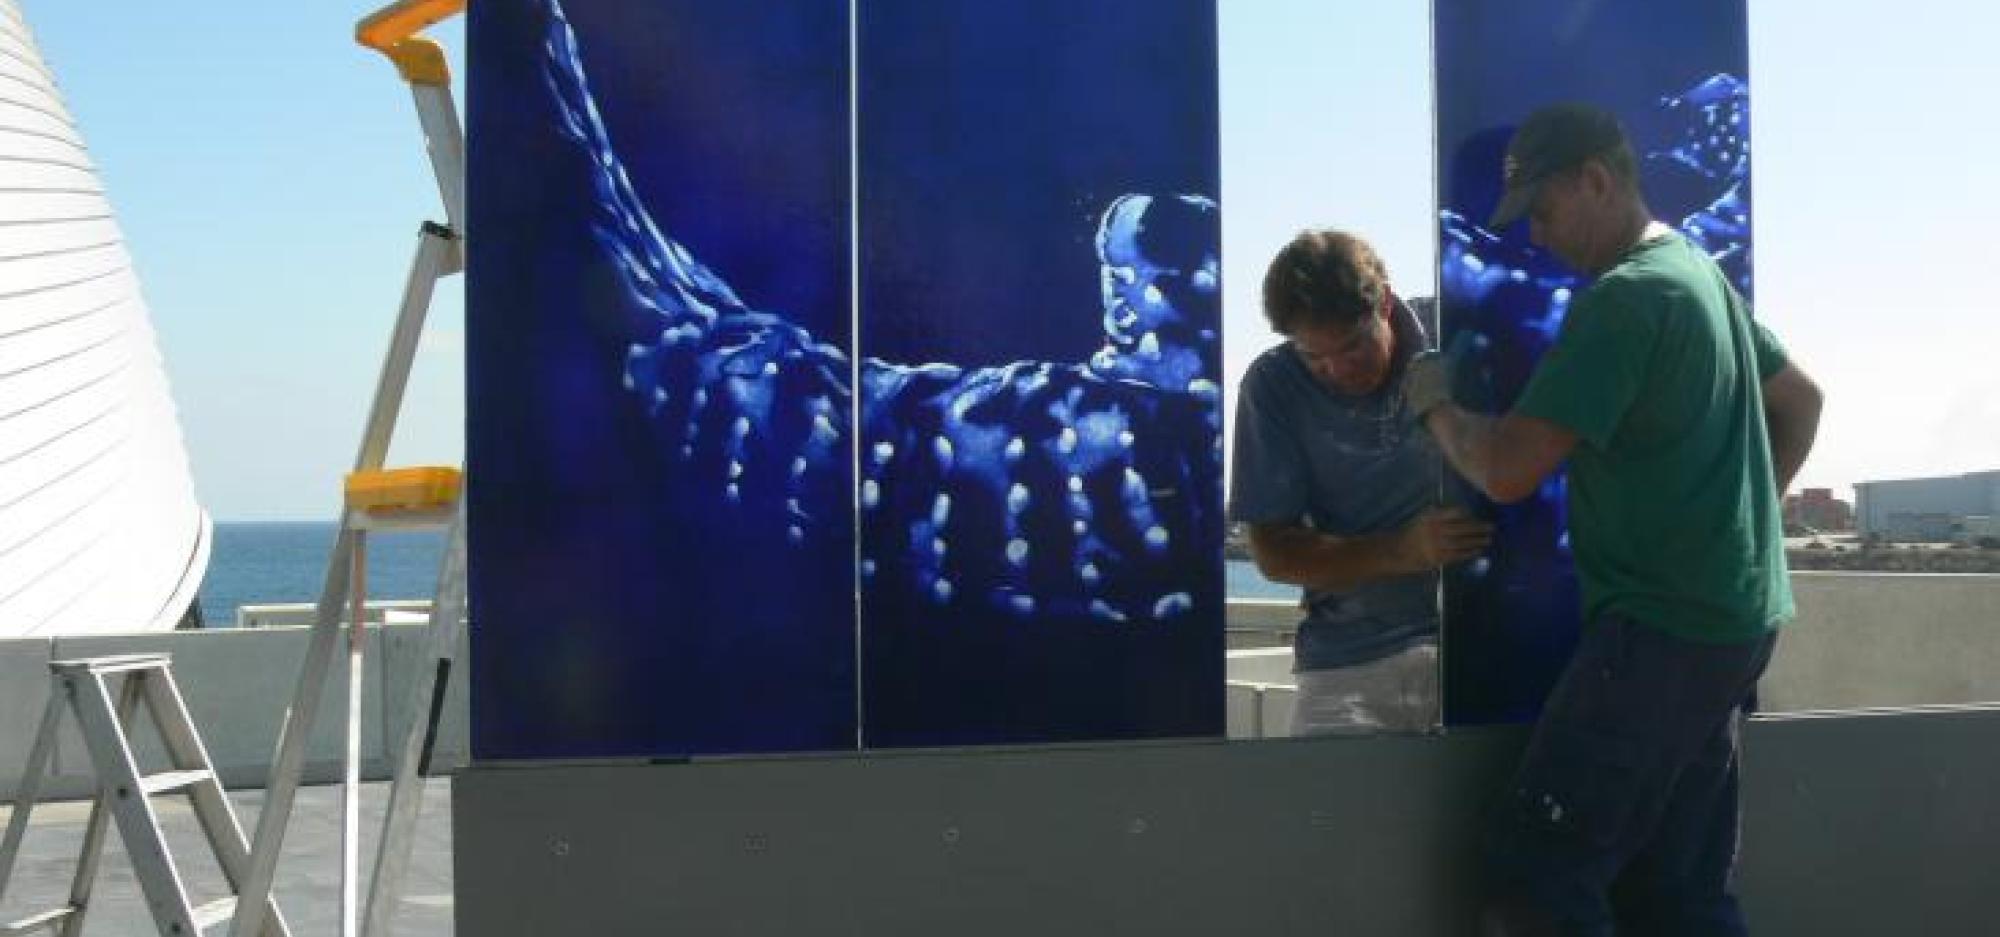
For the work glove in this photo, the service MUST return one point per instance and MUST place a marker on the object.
(1426, 384)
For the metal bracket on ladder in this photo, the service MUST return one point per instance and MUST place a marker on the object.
(126, 796)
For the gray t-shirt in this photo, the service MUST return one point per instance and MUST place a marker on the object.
(1346, 466)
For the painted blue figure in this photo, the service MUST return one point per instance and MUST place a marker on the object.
(1038, 488)
(1713, 146)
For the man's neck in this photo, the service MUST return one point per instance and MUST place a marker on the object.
(1636, 228)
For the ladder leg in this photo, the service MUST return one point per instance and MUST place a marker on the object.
(289, 762)
(210, 801)
(118, 774)
(437, 250)
(91, 853)
(350, 788)
(406, 795)
(30, 788)
(444, 139)
(88, 856)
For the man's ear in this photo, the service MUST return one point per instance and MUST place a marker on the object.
(1597, 179)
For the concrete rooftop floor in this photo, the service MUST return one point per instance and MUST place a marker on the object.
(308, 885)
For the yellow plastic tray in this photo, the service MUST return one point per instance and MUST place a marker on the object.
(405, 489)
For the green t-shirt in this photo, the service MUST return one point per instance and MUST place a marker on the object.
(1674, 517)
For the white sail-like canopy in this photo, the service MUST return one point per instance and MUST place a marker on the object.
(99, 527)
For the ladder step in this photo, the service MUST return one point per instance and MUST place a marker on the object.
(213, 913)
(432, 488)
(411, 520)
(423, 498)
(114, 664)
(33, 923)
(168, 782)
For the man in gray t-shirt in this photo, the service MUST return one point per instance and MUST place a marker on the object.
(1338, 489)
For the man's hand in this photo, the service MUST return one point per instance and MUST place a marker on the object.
(1440, 537)
(1426, 383)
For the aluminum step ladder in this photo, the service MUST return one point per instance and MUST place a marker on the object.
(379, 498)
(126, 795)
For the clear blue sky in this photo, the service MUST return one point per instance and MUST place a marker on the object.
(269, 177)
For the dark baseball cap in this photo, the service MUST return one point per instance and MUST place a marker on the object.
(1553, 139)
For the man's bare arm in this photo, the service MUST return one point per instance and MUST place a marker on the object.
(1507, 458)
(1300, 556)
(1792, 405)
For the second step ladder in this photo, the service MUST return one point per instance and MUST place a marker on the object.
(126, 795)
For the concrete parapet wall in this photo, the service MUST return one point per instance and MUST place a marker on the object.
(1887, 639)
(1862, 640)
(1861, 824)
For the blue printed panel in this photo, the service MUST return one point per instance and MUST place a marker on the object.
(1040, 465)
(659, 378)
(1676, 74)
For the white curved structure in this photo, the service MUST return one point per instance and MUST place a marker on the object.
(99, 527)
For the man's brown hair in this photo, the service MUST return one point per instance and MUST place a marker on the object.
(1323, 277)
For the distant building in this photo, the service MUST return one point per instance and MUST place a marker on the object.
(1818, 509)
(1922, 527)
(1925, 509)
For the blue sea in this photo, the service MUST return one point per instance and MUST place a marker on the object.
(277, 562)
(1242, 581)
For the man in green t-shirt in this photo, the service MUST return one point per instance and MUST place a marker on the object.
(1682, 421)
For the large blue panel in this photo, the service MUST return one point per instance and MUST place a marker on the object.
(659, 321)
(1040, 463)
(1676, 74)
